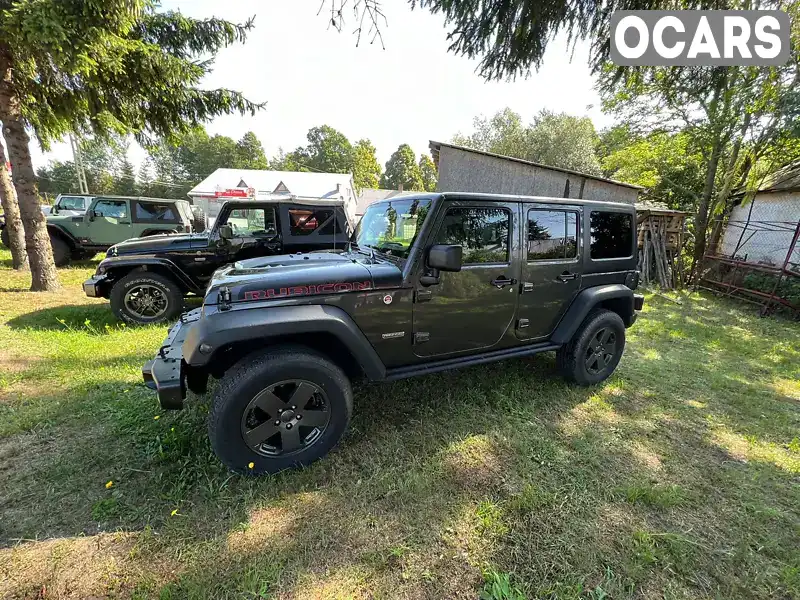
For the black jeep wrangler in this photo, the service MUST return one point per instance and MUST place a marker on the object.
(147, 278)
(429, 282)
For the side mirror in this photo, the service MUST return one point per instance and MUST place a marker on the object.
(225, 232)
(445, 258)
(441, 257)
(90, 214)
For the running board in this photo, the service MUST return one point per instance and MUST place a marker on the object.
(467, 361)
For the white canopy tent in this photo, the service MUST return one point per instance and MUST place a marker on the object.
(319, 189)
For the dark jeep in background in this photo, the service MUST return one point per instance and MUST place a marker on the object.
(146, 279)
(430, 282)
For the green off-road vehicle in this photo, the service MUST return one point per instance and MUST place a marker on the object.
(113, 219)
(429, 282)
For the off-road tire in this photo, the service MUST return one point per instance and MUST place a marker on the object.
(168, 287)
(199, 222)
(571, 358)
(5, 238)
(83, 255)
(257, 372)
(62, 253)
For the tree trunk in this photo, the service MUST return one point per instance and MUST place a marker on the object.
(44, 277)
(16, 234)
(701, 222)
(727, 187)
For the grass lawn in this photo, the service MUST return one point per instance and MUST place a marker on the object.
(677, 478)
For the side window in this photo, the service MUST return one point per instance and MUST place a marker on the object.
(612, 234)
(117, 209)
(252, 222)
(304, 221)
(72, 202)
(552, 234)
(483, 233)
(155, 212)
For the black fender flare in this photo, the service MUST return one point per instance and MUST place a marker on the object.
(220, 329)
(586, 301)
(64, 234)
(143, 264)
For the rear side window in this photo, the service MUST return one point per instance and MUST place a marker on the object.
(612, 234)
(481, 232)
(552, 234)
(154, 212)
(307, 221)
(72, 203)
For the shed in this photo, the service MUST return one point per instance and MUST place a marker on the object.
(763, 229)
(224, 184)
(660, 240)
(466, 170)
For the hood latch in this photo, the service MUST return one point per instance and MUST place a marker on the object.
(224, 298)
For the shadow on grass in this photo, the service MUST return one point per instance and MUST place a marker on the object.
(90, 318)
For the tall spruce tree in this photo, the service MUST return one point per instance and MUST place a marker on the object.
(101, 66)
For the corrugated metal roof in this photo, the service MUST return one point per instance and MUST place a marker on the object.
(435, 147)
(785, 179)
(316, 185)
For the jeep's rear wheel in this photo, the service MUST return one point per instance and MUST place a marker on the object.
(283, 408)
(61, 251)
(143, 298)
(595, 350)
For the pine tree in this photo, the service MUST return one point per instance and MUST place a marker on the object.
(102, 66)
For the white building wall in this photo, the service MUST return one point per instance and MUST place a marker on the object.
(778, 211)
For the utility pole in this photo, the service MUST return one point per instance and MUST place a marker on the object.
(78, 161)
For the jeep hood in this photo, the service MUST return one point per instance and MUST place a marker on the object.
(293, 275)
(159, 243)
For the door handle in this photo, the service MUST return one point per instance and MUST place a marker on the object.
(500, 283)
(124, 222)
(565, 277)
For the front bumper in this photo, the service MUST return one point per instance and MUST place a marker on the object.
(166, 373)
(97, 286)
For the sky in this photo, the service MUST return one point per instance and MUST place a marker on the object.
(411, 92)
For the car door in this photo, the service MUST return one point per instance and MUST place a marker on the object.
(551, 273)
(255, 233)
(110, 222)
(471, 310)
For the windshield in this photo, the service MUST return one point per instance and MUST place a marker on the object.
(391, 227)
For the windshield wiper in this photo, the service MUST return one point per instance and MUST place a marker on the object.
(363, 250)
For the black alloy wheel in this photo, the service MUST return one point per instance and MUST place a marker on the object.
(601, 351)
(286, 418)
(146, 301)
(284, 407)
(144, 297)
(595, 349)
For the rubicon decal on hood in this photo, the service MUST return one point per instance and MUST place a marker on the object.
(308, 290)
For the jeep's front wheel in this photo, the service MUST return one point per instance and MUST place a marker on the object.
(143, 298)
(595, 350)
(61, 251)
(283, 408)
